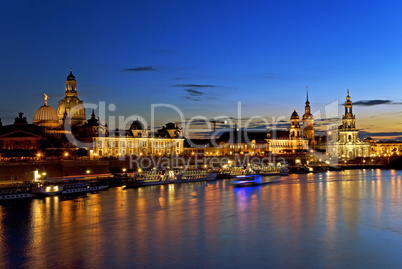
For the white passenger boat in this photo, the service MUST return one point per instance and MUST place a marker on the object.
(169, 176)
(268, 170)
(68, 187)
(195, 175)
(231, 172)
(46, 189)
(83, 186)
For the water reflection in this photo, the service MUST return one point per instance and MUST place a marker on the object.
(334, 219)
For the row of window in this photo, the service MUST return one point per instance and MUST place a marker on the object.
(242, 146)
(124, 152)
(138, 144)
(18, 145)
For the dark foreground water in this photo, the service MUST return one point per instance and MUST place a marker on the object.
(348, 219)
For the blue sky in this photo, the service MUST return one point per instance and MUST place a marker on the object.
(205, 56)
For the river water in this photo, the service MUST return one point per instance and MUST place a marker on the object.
(347, 219)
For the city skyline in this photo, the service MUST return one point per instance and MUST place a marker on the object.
(206, 57)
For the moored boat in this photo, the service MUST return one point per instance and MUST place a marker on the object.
(269, 170)
(195, 175)
(231, 172)
(46, 188)
(15, 191)
(83, 186)
(169, 177)
(68, 187)
(146, 178)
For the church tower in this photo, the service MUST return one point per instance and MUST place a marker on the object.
(347, 131)
(294, 131)
(308, 122)
(71, 104)
(349, 145)
(71, 84)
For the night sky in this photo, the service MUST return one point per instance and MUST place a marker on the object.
(206, 56)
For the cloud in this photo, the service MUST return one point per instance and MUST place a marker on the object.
(372, 102)
(193, 92)
(140, 68)
(380, 135)
(202, 134)
(327, 120)
(194, 85)
(196, 122)
(193, 98)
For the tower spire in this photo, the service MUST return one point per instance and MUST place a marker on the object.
(307, 92)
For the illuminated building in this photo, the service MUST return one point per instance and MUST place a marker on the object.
(70, 104)
(308, 124)
(46, 116)
(384, 148)
(294, 143)
(253, 142)
(294, 131)
(20, 140)
(140, 141)
(349, 146)
(92, 128)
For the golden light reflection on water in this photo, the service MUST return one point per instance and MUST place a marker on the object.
(204, 222)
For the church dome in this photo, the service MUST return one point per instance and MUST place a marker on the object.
(46, 116)
(71, 76)
(294, 115)
(71, 105)
(137, 125)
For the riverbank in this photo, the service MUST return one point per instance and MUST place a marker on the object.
(24, 171)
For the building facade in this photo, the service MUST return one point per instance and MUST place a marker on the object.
(139, 141)
(384, 148)
(20, 140)
(308, 124)
(71, 107)
(287, 146)
(295, 142)
(348, 145)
